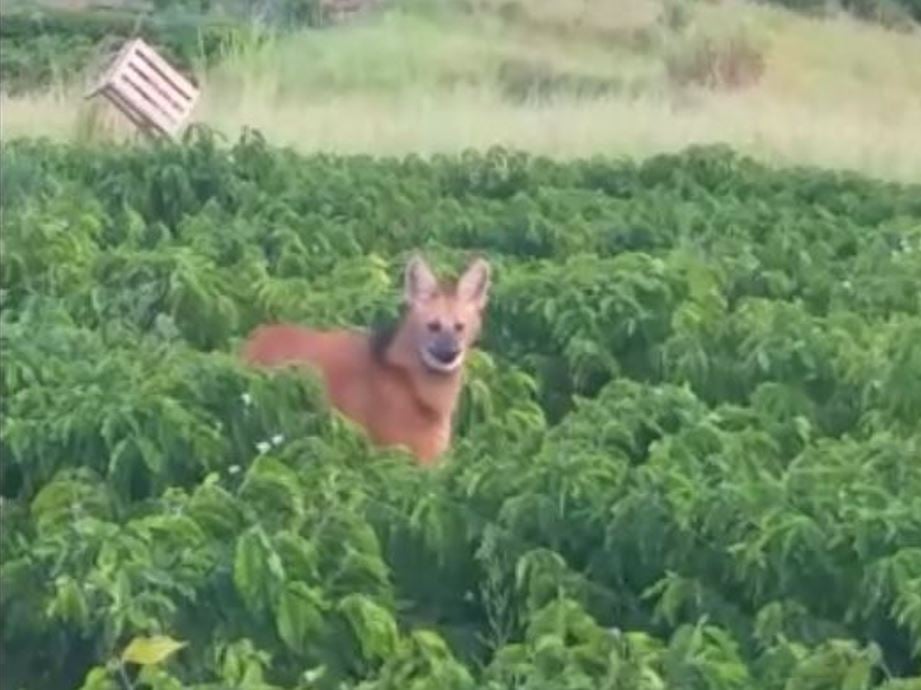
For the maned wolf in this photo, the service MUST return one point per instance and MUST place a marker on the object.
(400, 384)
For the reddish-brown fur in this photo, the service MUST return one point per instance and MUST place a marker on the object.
(393, 386)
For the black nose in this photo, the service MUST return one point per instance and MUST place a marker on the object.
(446, 356)
(445, 350)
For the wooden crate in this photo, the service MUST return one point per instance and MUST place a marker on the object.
(147, 89)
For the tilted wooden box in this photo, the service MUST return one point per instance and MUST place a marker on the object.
(147, 89)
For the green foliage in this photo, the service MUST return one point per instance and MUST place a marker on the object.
(687, 454)
(895, 13)
(46, 46)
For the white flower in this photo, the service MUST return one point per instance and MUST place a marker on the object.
(277, 439)
(263, 446)
(247, 399)
(233, 469)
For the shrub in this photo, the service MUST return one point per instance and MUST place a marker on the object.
(687, 448)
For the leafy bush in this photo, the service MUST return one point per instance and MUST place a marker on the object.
(44, 47)
(890, 12)
(687, 453)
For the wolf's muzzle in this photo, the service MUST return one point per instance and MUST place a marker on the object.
(445, 349)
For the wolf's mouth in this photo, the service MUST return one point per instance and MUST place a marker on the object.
(440, 360)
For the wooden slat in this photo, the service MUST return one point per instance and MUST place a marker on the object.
(148, 89)
(156, 87)
(125, 108)
(111, 70)
(179, 82)
(127, 90)
(138, 92)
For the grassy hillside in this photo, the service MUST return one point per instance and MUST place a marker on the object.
(566, 79)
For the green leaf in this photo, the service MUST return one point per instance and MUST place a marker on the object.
(99, 678)
(257, 569)
(299, 615)
(70, 603)
(373, 625)
(151, 650)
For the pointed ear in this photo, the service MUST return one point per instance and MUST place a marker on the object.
(419, 281)
(473, 285)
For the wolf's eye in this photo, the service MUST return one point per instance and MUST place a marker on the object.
(434, 326)
(458, 326)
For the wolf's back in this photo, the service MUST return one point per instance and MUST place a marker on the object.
(283, 344)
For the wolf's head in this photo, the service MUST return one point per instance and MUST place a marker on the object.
(443, 320)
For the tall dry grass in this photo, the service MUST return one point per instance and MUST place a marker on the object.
(832, 92)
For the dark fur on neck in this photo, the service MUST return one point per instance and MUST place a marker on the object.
(383, 333)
